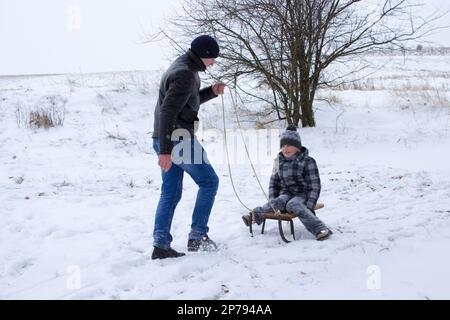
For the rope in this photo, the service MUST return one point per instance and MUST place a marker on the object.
(228, 156)
(246, 150)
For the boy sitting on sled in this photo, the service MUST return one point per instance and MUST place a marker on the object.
(294, 186)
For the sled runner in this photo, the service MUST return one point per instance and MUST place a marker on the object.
(280, 216)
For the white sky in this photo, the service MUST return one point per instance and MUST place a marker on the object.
(43, 36)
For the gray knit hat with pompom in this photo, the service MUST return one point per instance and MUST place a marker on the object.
(291, 137)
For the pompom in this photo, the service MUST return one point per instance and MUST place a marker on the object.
(291, 127)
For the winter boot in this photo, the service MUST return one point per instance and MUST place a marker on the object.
(203, 244)
(323, 234)
(247, 220)
(159, 253)
(256, 217)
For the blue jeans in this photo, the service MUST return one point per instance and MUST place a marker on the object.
(197, 166)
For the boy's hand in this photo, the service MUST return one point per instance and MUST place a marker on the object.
(218, 88)
(278, 204)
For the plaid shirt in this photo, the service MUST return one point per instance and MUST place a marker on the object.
(298, 176)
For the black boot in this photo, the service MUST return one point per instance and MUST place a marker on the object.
(203, 244)
(159, 253)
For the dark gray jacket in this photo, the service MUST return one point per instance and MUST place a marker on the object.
(297, 176)
(179, 99)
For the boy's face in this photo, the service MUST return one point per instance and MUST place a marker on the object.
(288, 151)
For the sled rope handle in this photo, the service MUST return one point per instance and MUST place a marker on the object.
(246, 150)
(228, 157)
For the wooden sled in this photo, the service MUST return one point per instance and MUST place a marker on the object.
(280, 217)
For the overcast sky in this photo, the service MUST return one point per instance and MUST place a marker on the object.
(60, 36)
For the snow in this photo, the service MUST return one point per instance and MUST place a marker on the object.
(78, 201)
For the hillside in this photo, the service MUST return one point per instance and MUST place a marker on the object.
(79, 199)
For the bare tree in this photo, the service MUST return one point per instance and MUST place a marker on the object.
(287, 45)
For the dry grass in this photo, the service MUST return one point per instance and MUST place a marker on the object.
(48, 112)
(433, 98)
(41, 119)
(399, 83)
(329, 97)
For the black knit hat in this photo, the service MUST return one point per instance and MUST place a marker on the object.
(291, 137)
(205, 47)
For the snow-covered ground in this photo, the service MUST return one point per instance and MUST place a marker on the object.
(78, 201)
